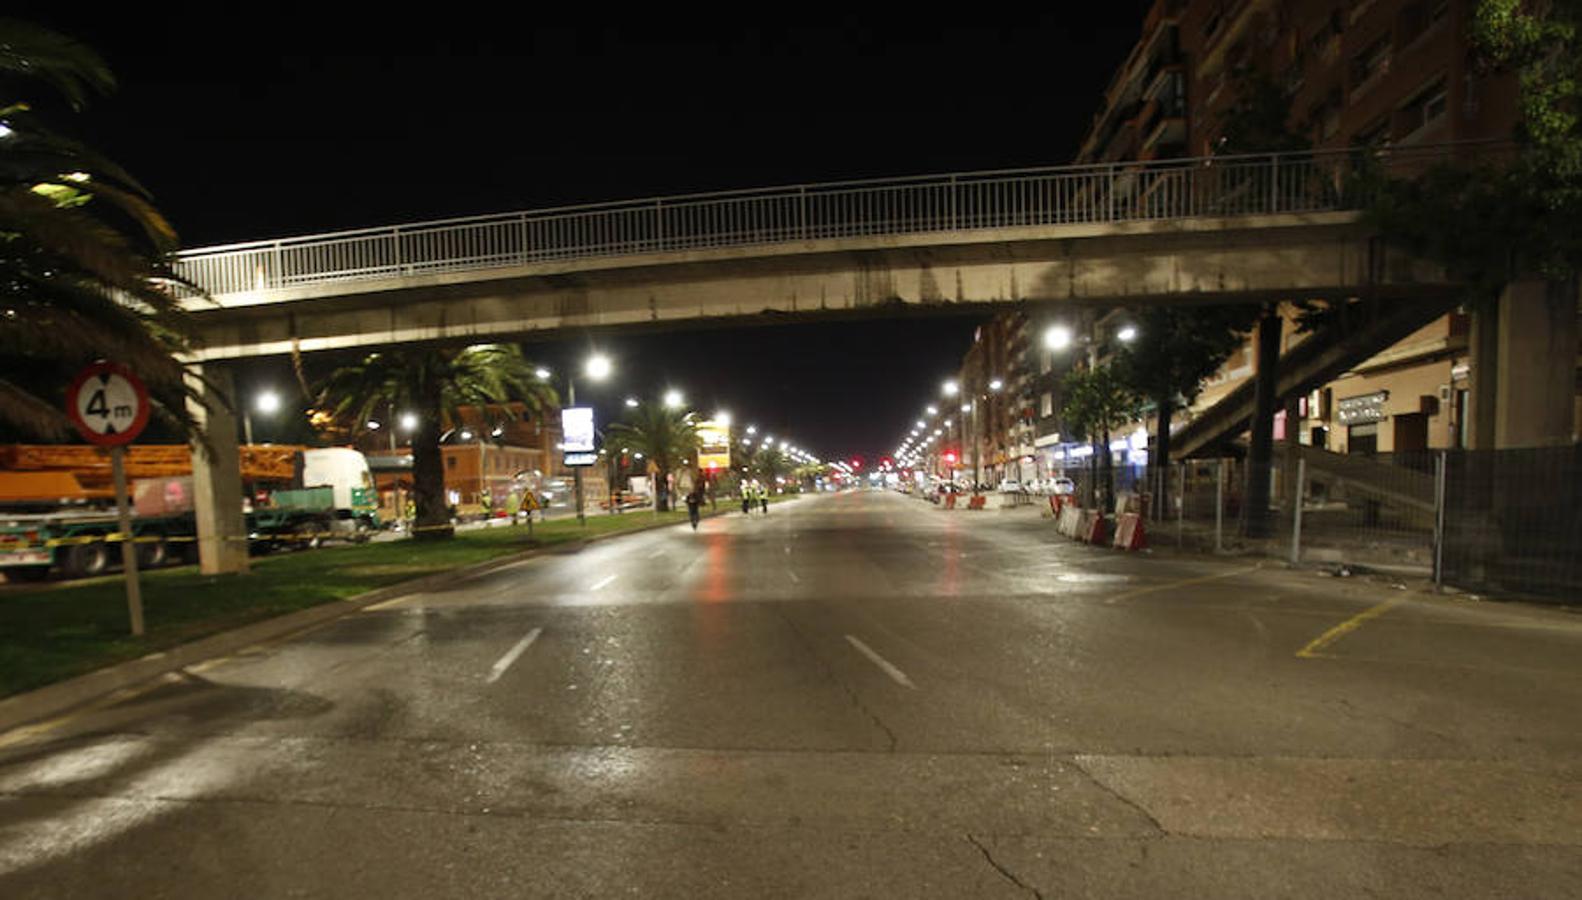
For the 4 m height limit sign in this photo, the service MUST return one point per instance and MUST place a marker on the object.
(109, 405)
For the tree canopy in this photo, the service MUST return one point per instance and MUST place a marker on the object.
(83, 271)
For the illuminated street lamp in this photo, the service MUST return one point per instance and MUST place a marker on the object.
(1057, 337)
(631, 402)
(267, 403)
(996, 384)
(673, 399)
(1127, 334)
(950, 388)
(933, 410)
(598, 367)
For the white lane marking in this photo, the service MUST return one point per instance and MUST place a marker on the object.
(895, 674)
(511, 656)
(603, 581)
(657, 553)
(792, 575)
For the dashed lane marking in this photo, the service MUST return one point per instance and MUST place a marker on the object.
(896, 675)
(512, 655)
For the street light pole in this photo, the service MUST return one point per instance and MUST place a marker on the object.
(576, 471)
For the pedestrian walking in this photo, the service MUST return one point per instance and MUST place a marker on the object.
(763, 498)
(745, 488)
(691, 491)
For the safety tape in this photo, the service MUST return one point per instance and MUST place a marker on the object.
(115, 537)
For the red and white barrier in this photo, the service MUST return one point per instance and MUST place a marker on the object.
(1129, 532)
(1070, 518)
(977, 501)
(1091, 529)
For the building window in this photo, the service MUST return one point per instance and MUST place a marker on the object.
(1419, 18)
(1377, 134)
(1370, 64)
(1046, 405)
(1326, 41)
(1424, 109)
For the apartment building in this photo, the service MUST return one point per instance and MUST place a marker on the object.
(1354, 72)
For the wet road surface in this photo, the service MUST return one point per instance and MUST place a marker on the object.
(856, 695)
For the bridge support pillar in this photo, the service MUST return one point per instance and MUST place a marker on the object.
(217, 474)
(1260, 443)
(1524, 363)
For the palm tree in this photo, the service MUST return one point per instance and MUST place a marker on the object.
(767, 464)
(434, 384)
(666, 438)
(82, 250)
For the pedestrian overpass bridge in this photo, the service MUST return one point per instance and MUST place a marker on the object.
(1222, 229)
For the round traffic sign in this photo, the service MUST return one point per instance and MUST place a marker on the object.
(108, 404)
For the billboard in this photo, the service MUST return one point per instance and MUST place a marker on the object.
(714, 446)
(576, 435)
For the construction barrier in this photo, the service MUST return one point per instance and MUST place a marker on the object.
(976, 502)
(1070, 519)
(1129, 532)
(950, 501)
(1091, 528)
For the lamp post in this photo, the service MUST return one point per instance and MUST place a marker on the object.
(267, 403)
(597, 368)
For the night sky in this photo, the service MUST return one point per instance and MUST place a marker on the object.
(269, 121)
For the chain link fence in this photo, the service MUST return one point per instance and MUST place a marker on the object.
(1503, 521)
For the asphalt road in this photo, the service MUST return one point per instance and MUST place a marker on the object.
(857, 695)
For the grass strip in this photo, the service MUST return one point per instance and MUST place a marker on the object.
(61, 631)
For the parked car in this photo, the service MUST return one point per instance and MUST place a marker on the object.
(1010, 486)
(1059, 486)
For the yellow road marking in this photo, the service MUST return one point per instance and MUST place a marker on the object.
(1182, 583)
(1346, 627)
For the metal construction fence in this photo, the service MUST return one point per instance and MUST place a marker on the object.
(1304, 182)
(1499, 521)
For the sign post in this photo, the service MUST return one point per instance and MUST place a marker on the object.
(576, 431)
(109, 405)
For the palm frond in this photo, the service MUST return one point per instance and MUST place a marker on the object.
(69, 66)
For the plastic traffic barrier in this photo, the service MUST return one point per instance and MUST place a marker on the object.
(1091, 529)
(976, 502)
(1070, 519)
(1129, 532)
(950, 501)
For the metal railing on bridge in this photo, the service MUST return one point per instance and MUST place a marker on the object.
(1064, 195)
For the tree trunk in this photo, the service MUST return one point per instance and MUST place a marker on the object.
(1108, 465)
(1261, 444)
(662, 490)
(1161, 457)
(428, 478)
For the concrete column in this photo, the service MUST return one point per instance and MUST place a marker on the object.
(1536, 385)
(1289, 482)
(1483, 348)
(1255, 514)
(217, 475)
